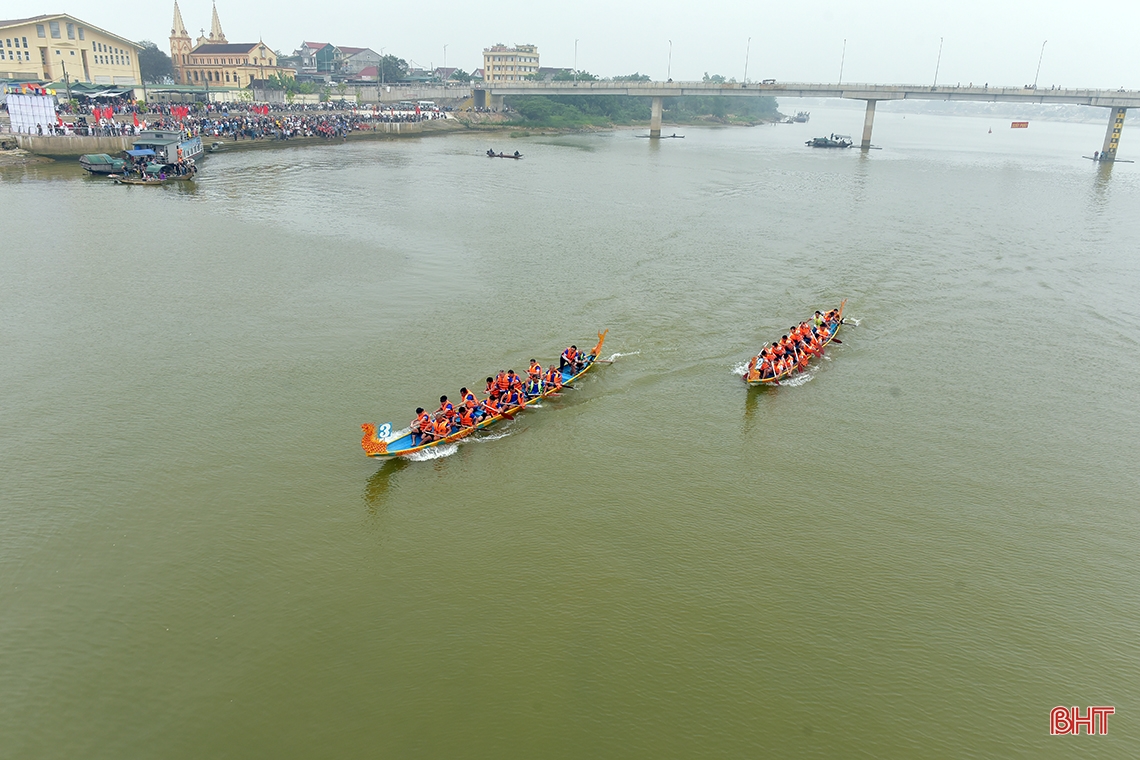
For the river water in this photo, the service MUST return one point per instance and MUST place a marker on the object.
(915, 550)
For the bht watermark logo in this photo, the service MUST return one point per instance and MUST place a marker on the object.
(1068, 720)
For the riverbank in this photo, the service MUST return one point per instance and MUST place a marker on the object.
(71, 146)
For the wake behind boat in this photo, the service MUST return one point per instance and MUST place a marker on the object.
(792, 352)
(505, 400)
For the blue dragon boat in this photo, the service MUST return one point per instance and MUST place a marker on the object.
(384, 443)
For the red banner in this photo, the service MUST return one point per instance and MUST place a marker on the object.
(1019, 125)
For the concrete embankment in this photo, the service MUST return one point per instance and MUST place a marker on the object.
(71, 145)
(65, 146)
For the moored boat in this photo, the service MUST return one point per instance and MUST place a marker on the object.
(384, 443)
(146, 180)
(835, 141)
(753, 375)
(101, 163)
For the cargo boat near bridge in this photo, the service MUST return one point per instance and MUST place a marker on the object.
(835, 141)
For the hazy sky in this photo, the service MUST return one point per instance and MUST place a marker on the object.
(887, 42)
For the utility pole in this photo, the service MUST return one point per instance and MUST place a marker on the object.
(939, 63)
(575, 63)
(669, 70)
(67, 81)
(1038, 65)
(747, 49)
(843, 59)
(445, 64)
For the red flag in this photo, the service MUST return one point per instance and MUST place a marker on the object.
(59, 119)
(136, 117)
(417, 110)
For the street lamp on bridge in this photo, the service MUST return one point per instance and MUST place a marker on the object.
(939, 62)
(1039, 64)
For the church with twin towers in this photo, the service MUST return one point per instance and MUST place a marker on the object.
(214, 61)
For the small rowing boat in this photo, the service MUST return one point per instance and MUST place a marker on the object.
(388, 444)
(755, 379)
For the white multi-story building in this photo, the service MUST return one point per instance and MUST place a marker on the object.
(54, 45)
(509, 64)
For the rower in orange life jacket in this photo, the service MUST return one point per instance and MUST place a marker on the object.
(421, 424)
(553, 377)
(468, 401)
(502, 384)
(492, 406)
(766, 363)
(569, 358)
(512, 399)
(441, 428)
(513, 380)
(534, 378)
(465, 418)
(445, 408)
(490, 386)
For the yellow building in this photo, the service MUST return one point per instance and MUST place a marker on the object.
(213, 61)
(47, 47)
(509, 64)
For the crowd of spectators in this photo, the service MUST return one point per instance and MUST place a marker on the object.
(232, 121)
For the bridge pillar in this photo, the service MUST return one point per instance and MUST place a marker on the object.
(868, 124)
(495, 102)
(1112, 135)
(655, 118)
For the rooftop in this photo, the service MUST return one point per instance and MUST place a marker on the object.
(47, 16)
(240, 47)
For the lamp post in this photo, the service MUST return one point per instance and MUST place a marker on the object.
(669, 68)
(445, 64)
(939, 62)
(747, 49)
(1039, 64)
(842, 60)
(575, 63)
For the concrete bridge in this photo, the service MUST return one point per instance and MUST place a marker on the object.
(1118, 101)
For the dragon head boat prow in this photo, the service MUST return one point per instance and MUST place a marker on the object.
(601, 339)
(370, 443)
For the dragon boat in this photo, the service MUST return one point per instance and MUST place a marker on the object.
(775, 379)
(388, 444)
